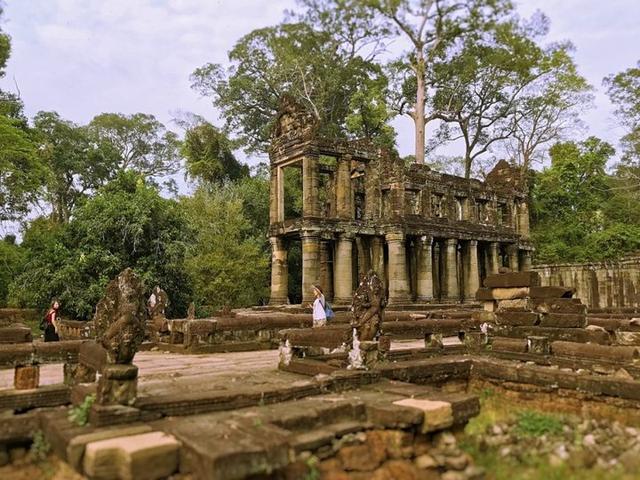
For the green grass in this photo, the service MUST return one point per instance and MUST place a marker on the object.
(529, 422)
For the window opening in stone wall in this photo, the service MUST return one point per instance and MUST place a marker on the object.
(436, 206)
(501, 213)
(412, 202)
(459, 208)
(359, 192)
(326, 185)
(294, 270)
(292, 191)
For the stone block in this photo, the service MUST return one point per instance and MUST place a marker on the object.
(591, 351)
(502, 293)
(512, 279)
(627, 338)
(504, 344)
(75, 373)
(15, 334)
(76, 446)
(518, 319)
(116, 386)
(538, 345)
(389, 415)
(147, 456)
(551, 292)
(26, 377)
(438, 415)
(515, 305)
(483, 316)
(92, 354)
(17, 354)
(563, 320)
(559, 305)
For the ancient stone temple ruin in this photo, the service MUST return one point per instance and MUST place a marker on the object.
(431, 236)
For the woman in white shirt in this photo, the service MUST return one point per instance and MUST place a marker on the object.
(319, 315)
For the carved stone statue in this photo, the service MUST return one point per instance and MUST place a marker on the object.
(191, 311)
(156, 306)
(368, 306)
(120, 318)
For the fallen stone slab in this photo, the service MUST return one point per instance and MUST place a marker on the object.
(502, 293)
(605, 352)
(512, 279)
(627, 338)
(437, 415)
(76, 446)
(551, 292)
(559, 305)
(505, 344)
(580, 335)
(46, 396)
(19, 427)
(563, 320)
(17, 354)
(518, 319)
(146, 456)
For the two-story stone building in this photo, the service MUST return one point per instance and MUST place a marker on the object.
(431, 236)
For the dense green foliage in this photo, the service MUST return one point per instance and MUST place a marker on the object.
(228, 262)
(576, 214)
(125, 224)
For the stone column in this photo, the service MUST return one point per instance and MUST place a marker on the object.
(310, 264)
(364, 262)
(424, 283)
(377, 257)
(494, 257)
(523, 216)
(344, 196)
(343, 271)
(279, 272)
(452, 292)
(273, 195)
(398, 277)
(512, 252)
(310, 186)
(326, 270)
(472, 274)
(525, 263)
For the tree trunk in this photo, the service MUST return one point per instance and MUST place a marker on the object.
(418, 111)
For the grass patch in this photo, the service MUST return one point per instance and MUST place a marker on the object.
(535, 424)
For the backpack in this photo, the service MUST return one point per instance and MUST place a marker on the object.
(328, 312)
(43, 323)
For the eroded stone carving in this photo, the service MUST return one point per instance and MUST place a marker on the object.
(368, 306)
(120, 318)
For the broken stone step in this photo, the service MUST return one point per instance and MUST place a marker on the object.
(146, 456)
(505, 344)
(563, 320)
(518, 319)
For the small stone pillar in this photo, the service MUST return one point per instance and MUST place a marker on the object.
(344, 197)
(310, 207)
(514, 263)
(452, 290)
(424, 282)
(118, 385)
(343, 270)
(398, 277)
(494, 257)
(310, 264)
(472, 274)
(279, 272)
(26, 377)
(273, 196)
(377, 257)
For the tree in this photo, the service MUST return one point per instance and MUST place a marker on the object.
(228, 263)
(137, 142)
(209, 156)
(11, 260)
(431, 27)
(74, 165)
(125, 224)
(569, 201)
(624, 91)
(295, 61)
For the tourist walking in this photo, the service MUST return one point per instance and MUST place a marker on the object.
(319, 314)
(51, 323)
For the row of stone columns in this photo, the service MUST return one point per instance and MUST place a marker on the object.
(338, 282)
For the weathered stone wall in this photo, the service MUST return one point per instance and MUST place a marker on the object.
(599, 285)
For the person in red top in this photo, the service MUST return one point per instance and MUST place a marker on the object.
(51, 329)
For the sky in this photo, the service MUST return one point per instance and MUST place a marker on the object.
(84, 57)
